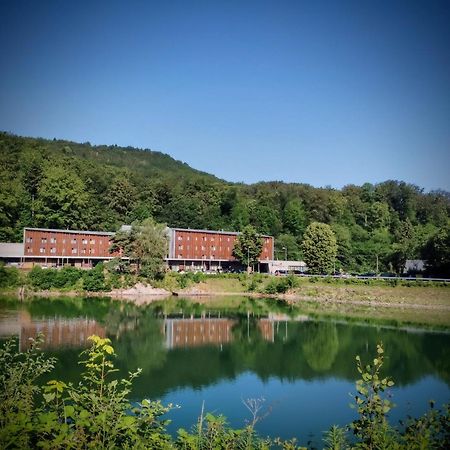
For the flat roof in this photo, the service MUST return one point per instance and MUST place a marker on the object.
(234, 233)
(54, 230)
(11, 250)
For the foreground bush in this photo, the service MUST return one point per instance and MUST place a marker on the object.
(97, 414)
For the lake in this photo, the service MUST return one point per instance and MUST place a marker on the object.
(221, 352)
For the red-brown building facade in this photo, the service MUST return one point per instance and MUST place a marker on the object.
(204, 250)
(58, 247)
(208, 250)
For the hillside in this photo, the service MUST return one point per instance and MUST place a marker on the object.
(63, 184)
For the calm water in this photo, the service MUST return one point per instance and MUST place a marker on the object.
(231, 350)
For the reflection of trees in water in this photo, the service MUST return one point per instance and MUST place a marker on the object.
(320, 345)
(138, 340)
(296, 350)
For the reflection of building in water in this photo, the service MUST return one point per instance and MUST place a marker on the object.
(266, 327)
(58, 332)
(196, 332)
(61, 332)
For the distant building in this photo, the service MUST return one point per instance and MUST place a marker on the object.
(209, 250)
(414, 266)
(204, 250)
(283, 267)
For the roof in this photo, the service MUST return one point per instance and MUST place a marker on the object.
(11, 250)
(417, 265)
(233, 233)
(53, 230)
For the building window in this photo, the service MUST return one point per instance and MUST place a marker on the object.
(101, 242)
(228, 239)
(42, 250)
(83, 251)
(73, 241)
(29, 250)
(64, 241)
(213, 247)
(180, 247)
(74, 251)
(91, 251)
(44, 240)
(188, 238)
(180, 256)
(53, 250)
(180, 238)
(212, 239)
(203, 247)
(29, 239)
(92, 241)
(84, 241)
(195, 237)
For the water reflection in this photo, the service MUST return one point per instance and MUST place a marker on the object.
(184, 344)
(190, 352)
(58, 332)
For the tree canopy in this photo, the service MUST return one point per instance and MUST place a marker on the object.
(63, 184)
(319, 248)
(248, 246)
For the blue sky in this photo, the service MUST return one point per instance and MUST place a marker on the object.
(318, 92)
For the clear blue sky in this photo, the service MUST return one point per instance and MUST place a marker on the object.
(319, 92)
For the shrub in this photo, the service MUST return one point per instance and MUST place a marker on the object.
(40, 278)
(67, 277)
(94, 279)
(9, 276)
(95, 413)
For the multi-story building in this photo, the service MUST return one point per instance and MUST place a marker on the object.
(204, 250)
(58, 247)
(209, 250)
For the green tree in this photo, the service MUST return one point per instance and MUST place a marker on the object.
(248, 246)
(437, 253)
(62, 200)
(122, 196)
(146, 244)
(403, 248)
(286, 245)
(319, 248)
(294, 218)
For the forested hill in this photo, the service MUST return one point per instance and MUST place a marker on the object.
(63, 184)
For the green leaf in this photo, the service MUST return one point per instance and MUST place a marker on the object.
(49, 397)
(69, 410)
(84, 414)
(109, 349)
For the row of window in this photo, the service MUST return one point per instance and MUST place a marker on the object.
(213, 247)
(180, 256)
(204, 238)
(74, 251)
(52, 240)
(212, 238)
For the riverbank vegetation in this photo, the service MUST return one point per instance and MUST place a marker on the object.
(97, 412)
(117, 274)
(62, 184)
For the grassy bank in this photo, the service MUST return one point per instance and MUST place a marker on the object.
(415, 302)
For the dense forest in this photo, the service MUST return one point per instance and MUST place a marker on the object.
(62, 184)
